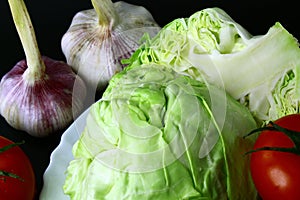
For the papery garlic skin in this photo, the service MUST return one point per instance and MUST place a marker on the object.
(46, 106)
(95, 50)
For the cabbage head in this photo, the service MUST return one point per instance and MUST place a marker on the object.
(156, 134)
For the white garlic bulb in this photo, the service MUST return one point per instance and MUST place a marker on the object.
(99, 38)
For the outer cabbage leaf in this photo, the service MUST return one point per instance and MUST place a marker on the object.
(211, 46)
(156, 134)
(286, 95)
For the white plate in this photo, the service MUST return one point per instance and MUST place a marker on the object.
(54, 176)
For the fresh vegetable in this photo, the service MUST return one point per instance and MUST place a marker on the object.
(262, 71)
(275, 159)
(156, 134)
(99, 38)
(37, 93)
(17, 178)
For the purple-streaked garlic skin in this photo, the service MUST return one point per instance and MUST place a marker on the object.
(44, 106)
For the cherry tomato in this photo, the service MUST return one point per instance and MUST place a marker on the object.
(276, 174)
(17, 179)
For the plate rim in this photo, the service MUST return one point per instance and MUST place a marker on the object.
(60, 157)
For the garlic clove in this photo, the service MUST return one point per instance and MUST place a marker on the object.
(98, 39)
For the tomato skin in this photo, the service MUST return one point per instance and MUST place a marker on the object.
(15, 161)
(276, 175)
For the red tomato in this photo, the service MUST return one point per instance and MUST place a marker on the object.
(15, 161)
(275, 174)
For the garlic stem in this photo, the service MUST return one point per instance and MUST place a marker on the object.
(106, 12)
(35, 64)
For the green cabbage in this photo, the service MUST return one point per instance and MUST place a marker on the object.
(211, 46)
(157, 134)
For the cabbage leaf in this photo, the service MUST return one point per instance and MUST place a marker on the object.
(260, 71)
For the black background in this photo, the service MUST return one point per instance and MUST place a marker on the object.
(52, 18)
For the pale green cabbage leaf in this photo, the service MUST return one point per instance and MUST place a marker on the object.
(260, 71)
(157, 134)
